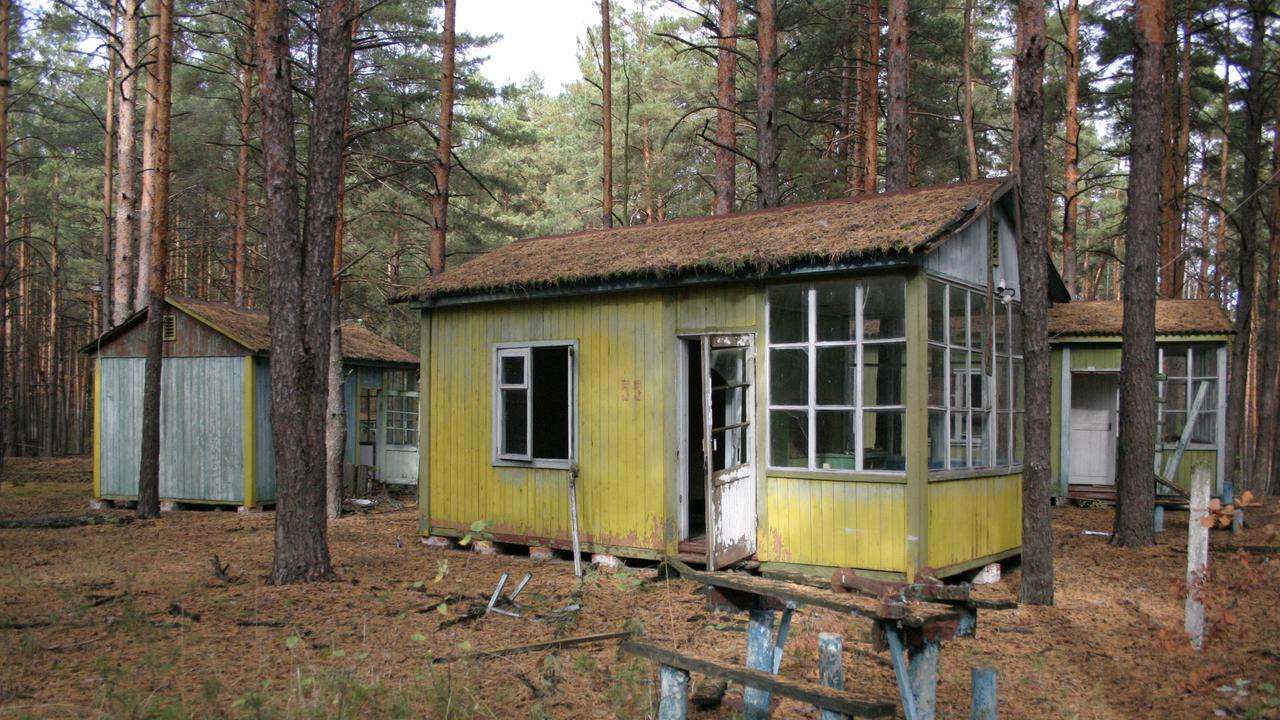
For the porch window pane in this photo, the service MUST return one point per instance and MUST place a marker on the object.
(937, 377)
(788, 441)
(1003, 420)
(1204, 361)
(884, 309)
(1173, 424)
(512, 370)
(1175, 395)
(979, 428)
(835, 311)
(1018, 387)
(835, 439)
(937, 312)
(958, 317)
(978, 321)
(937, 440)
(1175, 361)
(959, 379)
(1002, 328)
(1017, 437)
(883, 432)
(788, 377)
(1002, 383)
(1206, 427)
(959, 439)
(787, 315)
(883, 369)
(836, 375)
(1015, 329)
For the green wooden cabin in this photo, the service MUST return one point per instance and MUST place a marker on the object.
(820, 385)
(1191, 340)
(215, 427)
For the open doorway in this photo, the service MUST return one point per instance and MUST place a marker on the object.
(693, 535)
(717, 483)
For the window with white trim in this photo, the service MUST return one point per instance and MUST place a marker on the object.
(1185, 368)
(975, 379)
(402, 407)
(534, 397)
(837, 361)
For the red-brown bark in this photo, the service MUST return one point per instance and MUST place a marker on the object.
(897, 157)
(767, 180)
(725, 182)
(444, 148)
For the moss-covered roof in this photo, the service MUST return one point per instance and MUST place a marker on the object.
(831, 231)
(1105, 317)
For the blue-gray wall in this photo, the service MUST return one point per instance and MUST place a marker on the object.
(201, 428)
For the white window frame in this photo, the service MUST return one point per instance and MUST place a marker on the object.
(811, 346)
(1191, 380)
(524, 350)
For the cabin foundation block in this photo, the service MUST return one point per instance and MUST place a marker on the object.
(100, 504)
(607, 562)
(484, 547)
(988, 575)
(541, 554)
(168, 505)
(249, 509)
(437, 541)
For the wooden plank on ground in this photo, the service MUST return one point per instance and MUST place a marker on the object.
(534, 647)
(823, 697)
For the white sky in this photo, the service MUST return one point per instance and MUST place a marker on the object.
(538, 36)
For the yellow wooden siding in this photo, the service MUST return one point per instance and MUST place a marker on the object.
(835, 523)
(1191, 459)
(623, 444)
(724, 307)
(1095, 358)
(974, 518)
(97, 428)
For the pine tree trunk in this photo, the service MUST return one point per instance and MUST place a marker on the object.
(123, 259)
(240, 241)
(725, 182)
(646, 155)
(1268, 463)
(1135, 483)
(871, 93)
(108, 158)
(1071, 151)
(1220, 265)
(770, 191)
(1037, 530)
(48, 439)
(897, 154)
(1247, 214)
(444, 149)
(157, 188)
(970, 140)
(146, 202)
(1183, 147)
(1203, 280)
(1169, 228)
(606, 89)
(7, 409)
(335, 440)
(300, 273)
(857, 153)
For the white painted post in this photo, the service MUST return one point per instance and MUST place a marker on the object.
(673, 702)
(1197, 555)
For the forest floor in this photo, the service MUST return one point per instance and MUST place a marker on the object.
(130, 620)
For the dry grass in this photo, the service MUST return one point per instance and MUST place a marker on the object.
(103, 637)
(1105, 317)
(830, 231)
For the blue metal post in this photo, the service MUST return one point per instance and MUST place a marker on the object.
(899, 655)
(759, 657)
(1159, 519)
(673, 693)
(924, 679)
(831, 667)
(984, 693)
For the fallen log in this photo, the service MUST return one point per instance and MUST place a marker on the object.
(63, 521)
(534, 647)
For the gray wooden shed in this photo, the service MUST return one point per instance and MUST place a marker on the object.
(215, 414)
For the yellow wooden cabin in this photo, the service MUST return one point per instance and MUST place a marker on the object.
(820, 385)
(1192, 338)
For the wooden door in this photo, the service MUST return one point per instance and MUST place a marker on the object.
(1092, 457)
(728, 447)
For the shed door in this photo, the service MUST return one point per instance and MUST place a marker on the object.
(1094, 399)
(728, 447)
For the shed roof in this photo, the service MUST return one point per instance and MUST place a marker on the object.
(1105, 317)
(249, 329)
(830, 231)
